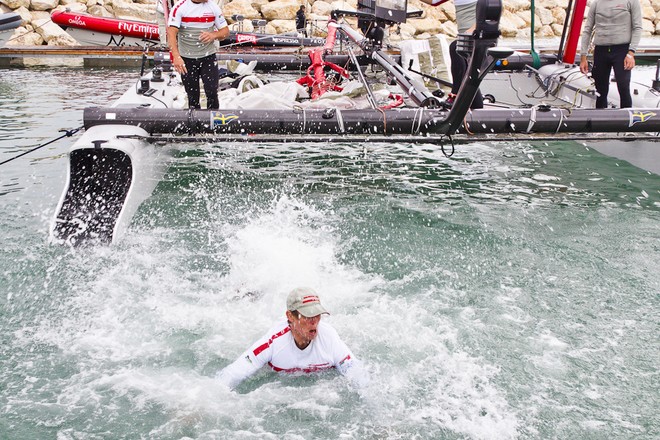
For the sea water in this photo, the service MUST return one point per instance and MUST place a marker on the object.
(508, 292)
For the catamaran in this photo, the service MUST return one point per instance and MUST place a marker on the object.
(115, 164)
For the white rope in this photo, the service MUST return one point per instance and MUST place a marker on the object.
(561, 120)
(420, 112)
(340, 122)
(532, 120)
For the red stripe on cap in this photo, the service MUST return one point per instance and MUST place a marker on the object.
(265, 345)
(307, 299)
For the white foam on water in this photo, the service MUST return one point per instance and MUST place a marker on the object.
(124, 341)
(146, 332)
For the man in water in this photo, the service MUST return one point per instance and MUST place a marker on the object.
(299, 344)
(191, 37)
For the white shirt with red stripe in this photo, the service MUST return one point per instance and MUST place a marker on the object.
(279, 351)
(192, 19)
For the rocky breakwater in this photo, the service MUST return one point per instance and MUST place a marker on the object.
(38, 29)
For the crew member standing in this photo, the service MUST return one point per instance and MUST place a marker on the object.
(301, 21)
(193, 28)
(616, 27)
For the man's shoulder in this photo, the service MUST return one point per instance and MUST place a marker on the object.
(180, 6)
(330, 341)
(189, 4)
(278, 329)
(276, 336)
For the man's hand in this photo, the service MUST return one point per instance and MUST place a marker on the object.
(629, 61)
(207, 37)
(179, 65)
(584, 65)
(177, 61)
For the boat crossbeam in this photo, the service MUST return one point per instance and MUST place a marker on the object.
(278, 122)
(420, 121)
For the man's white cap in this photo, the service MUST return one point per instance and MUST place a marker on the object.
(305, 301)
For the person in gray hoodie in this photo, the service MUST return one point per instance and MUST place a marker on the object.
(616, 28)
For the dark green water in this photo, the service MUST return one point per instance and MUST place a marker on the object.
(509, 292)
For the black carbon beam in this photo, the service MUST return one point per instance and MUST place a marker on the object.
(481, 45)
(425, 122)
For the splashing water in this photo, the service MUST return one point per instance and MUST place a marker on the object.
(509, 292)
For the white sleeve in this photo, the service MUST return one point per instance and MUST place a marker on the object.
(175, 17)
(248, 363)
(587, 30)
(239, 370)
(347, 364)
(220, 21)
(356, 373)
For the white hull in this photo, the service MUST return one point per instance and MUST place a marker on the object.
(109, 175)
(562, 85)
(558, 86)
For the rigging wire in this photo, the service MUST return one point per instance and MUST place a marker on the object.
(67, 133)
(29, 32)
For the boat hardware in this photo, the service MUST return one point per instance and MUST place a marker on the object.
(363, 80)
(483, 58)
(432, 78)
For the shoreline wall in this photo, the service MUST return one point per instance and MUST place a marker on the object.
(37, 28)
